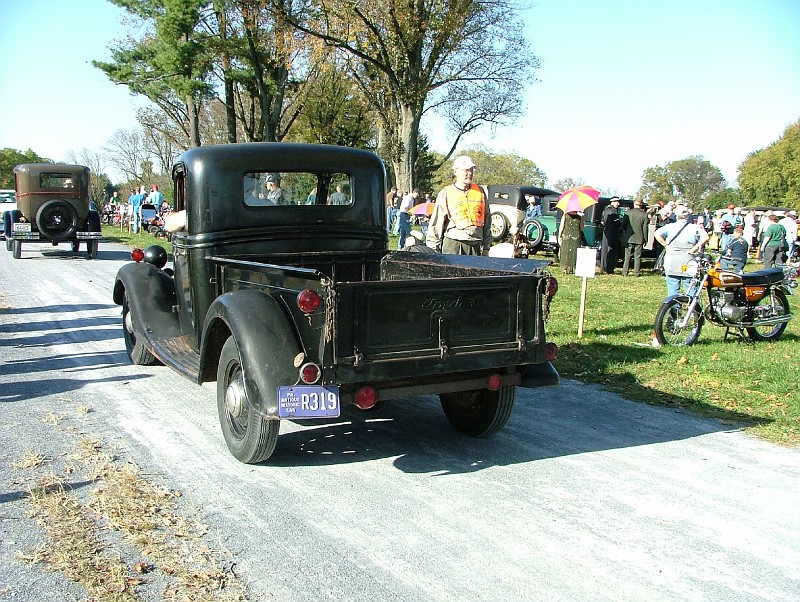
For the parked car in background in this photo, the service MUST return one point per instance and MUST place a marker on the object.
(507, 207)
(8, 202)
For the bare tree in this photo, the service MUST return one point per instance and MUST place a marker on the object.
(127, 152)
(466, 59)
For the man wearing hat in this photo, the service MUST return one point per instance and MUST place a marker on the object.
(634, 235)
(459, 223)
(274, 193)
(680, 239)
(612, 230)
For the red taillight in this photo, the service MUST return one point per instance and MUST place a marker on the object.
(550, 351)
(552, 287)
(494, 382)
(308, 301)
(137, 255)
(366, 397)
(309, 373)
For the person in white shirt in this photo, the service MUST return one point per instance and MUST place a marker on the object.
(789, 223)
(404, 217)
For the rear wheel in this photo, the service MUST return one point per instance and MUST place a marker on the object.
(668, 319)
(91, 248)
(16, 249)
(770, 332)
(479, 413)
(76, 246)
(499, 226)
(249, 436)
(138, 353)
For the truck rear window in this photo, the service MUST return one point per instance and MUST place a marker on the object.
(274, 189)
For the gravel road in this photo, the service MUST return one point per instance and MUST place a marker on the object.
(583, 496)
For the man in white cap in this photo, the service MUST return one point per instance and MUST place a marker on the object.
(459, 223)
(680, 239)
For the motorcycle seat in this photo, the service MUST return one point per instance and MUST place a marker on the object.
(768, 276)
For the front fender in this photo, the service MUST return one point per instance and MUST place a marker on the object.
(683, 297)
(151, 297)
(267, 342)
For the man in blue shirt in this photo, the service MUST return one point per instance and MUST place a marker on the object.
(136, 201)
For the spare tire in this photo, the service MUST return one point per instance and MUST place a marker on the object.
(57, 220)
(499, 226)
(534, 231)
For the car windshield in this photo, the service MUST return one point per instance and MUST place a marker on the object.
(271, 189)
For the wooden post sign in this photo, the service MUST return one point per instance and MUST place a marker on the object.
(584, 267)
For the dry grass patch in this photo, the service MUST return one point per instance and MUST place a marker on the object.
(77, 551)
(161, 545)
(30, 459)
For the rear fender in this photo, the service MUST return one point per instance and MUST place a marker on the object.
(267, 342)
(151, 295)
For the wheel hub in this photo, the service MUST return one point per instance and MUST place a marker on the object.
(235, 397)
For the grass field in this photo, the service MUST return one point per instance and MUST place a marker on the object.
(749, 385)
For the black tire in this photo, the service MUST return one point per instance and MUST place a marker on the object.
(479, 413)
(534, 231)
(153, 230)
(249, 436)
(91, 248)
(139, 354)
(771, 332)
(76, 246)
(668, 315)
(57, 220)
(16, 249)
(8, 243)
(499, 226)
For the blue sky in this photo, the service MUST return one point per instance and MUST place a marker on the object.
(623, 85)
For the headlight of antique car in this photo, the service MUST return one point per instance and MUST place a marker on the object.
(690, 268)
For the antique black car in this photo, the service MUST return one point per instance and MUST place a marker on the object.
(53, 206)
(292, 302)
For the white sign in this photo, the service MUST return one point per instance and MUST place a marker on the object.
(587, 258)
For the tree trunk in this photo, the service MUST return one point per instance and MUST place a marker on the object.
(192, 112)
(406, 159)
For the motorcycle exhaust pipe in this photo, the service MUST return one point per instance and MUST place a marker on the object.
(770, 321)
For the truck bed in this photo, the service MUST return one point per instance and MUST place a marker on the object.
(409, 315)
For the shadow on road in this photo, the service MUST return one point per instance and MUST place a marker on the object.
(574, 418)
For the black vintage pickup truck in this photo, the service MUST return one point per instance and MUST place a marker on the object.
(283, 291)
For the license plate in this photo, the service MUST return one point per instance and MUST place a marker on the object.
(21, 227)
(308, 401)
(87, 235)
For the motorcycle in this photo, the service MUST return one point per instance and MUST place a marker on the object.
(755, 303)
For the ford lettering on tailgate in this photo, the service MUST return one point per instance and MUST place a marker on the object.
(308, 401)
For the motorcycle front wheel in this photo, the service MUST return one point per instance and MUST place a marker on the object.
(668, 318)
(771, 332)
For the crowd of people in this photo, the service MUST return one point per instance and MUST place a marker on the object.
(128, 213)
(674, 233)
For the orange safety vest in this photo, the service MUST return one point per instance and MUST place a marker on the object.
(465, 209)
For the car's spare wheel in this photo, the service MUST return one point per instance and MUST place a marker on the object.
(57, 220)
